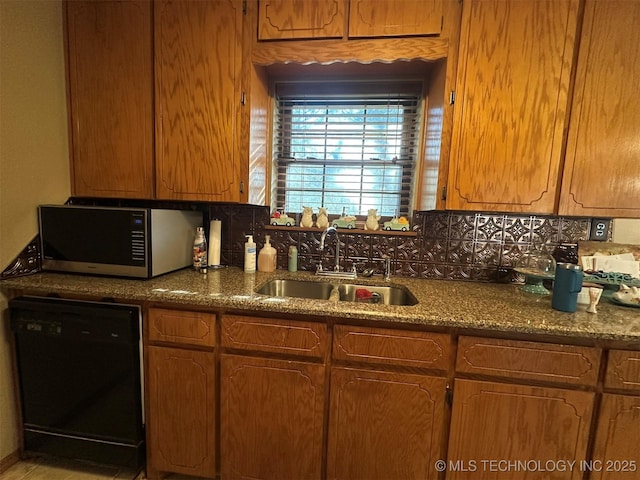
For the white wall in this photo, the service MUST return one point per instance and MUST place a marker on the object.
(626, 230)
(34, 166)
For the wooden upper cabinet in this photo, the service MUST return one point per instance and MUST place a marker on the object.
(376, 18)
(198, 55)
(287, 19)
(110, 75)
(602, 169)
(511, 104)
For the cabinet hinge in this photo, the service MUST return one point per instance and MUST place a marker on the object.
(452, 97)
(444, 193)
(241, 186)
(441, 23)
(448, 395)
(243, 98)
(244, 7)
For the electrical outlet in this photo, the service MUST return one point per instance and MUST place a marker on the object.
(600, 229)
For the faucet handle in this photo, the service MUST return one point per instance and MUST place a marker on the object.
(354, 266)
(386, 259)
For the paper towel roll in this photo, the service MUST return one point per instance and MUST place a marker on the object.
(215, 236)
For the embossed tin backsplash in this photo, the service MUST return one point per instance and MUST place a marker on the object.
(447, 245)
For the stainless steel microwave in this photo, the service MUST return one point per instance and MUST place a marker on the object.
(127, 242)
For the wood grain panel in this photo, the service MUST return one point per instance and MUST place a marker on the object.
(384, 425)
(617, 439)
(379, 18)
(259, 168)
(623, 370)
(602, 171)
(307, 339)
(511, 104)
(181, 417)
(511, 423)
(198, 55)
(111, 98)
(362, 51)
(392, 347)
(272, 418)
(529, 360)
(181, 327)
(285, 19)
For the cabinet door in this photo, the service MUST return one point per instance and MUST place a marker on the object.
(602, 169)
(271, 414)
(511, 104)
(516, 423)
(381, 18)
(198, 68)
(111, 98)
(616, 455)
(384, 425)
(285, 19)
(181, 415)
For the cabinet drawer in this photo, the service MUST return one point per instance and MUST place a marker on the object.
(307, 339)
(623, 370)
(392, 347)
(528, 360)
(182, 327)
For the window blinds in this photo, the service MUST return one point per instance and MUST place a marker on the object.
(346, 145)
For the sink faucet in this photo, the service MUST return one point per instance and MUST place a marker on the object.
(336, 273)
(387, 268)
(321, 248)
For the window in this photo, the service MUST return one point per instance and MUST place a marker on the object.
(350, 146)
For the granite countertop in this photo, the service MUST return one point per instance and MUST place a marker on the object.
(442, 303)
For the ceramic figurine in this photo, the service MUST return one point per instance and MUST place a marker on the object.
(396, 223)
(346, 221)
(278, 218)
(323, 220)
(627, 295)
(372, 220)
(307, 217)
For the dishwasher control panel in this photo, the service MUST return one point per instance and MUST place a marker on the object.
(47, 327)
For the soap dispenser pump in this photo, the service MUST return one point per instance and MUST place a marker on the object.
(249, 255)
(267, 258)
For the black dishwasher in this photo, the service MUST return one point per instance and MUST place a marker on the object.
(80, 379)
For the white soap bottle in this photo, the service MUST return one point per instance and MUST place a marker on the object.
(267, 258)
(249, 255)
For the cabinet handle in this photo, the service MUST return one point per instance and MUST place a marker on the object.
(448, 395)
(452, 97)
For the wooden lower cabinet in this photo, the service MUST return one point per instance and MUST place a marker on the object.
(181, 413)
(384, 425)
(494, 422)
(272, 418)
(616, 453)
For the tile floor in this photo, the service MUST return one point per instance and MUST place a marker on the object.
(56, 469)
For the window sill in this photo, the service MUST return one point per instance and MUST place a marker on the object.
(358, 231)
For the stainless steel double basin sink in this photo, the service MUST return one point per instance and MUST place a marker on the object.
(346, 292)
